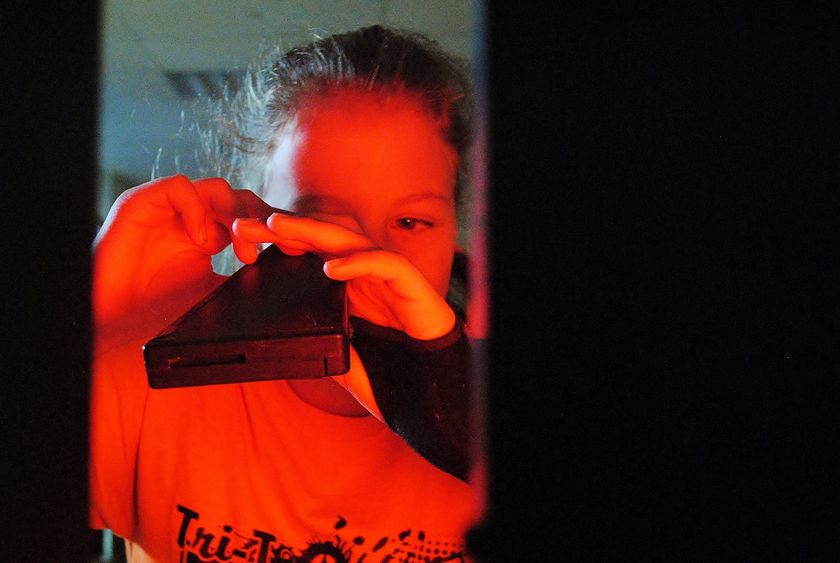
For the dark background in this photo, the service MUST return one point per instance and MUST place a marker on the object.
(49, 129)
(664, 314)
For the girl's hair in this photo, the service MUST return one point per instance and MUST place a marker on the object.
(243, 127)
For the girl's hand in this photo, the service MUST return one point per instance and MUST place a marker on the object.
(383, 287)
(152, 256)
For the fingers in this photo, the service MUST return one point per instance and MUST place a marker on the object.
(214, 214)
(256, 231)
(387, 289)
(327, 238)
(225, 206)
(180, 199)
(182, 196)
(254, 206)
(295, 235)
(227, 203)
(200, 206)
(402, 277)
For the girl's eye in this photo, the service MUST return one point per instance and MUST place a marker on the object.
(412, 224)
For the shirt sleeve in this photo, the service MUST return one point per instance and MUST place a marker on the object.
(118, 397)
(422, 389)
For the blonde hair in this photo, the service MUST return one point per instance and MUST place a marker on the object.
(241, 128)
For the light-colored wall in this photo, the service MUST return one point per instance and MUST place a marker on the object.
(143, 128)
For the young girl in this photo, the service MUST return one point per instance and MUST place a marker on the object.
(363, 136)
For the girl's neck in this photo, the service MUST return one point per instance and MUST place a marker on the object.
(327, 395)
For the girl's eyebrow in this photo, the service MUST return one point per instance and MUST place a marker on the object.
(411, 198)
(311, 202)
(317, 202)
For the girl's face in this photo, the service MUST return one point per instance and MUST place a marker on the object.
(377, 164)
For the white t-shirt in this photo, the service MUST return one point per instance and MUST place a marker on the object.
(251, 473)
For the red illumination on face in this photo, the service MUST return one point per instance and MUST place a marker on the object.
(377, 164)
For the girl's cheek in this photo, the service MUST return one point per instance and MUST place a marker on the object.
(435, 264)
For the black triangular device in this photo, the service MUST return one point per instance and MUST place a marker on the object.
(280, 317)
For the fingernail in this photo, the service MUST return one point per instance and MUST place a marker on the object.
(335, 262)
(249, 220)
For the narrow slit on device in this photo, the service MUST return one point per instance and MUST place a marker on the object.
(197, 362)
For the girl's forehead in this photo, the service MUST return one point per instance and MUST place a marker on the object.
(373, 125)
(356, 104)
(365, 144)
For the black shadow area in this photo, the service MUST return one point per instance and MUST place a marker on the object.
(49, 132)
(662, 195)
